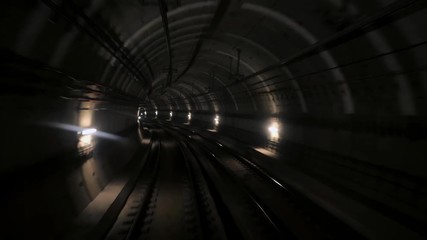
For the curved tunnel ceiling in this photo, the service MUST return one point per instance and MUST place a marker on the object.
(241, 56)
(205, 37)
(272, 57)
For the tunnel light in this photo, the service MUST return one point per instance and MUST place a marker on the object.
(189, 116)
(170, 113)
(85, 140)
(145, 113)
(216, 120)
(88, 131)
(156, 113)
(274, 130)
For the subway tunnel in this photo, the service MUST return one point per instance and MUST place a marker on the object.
(215, 119)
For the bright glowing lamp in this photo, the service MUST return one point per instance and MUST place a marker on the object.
(85, 140)
(216, 120)
(88, 131)
(274, 130)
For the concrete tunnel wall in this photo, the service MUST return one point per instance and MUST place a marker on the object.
(44, 180)
(360, 125)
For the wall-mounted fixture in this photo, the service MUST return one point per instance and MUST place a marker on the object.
(273, 129)
(88, 131)
(216, 120)
(85, 144)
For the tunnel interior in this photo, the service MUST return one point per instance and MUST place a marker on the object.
(326, 96)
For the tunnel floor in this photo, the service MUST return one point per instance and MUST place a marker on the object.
(190, 186)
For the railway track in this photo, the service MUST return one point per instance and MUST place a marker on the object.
(170, 200)
(296, 215)
(193, 188)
